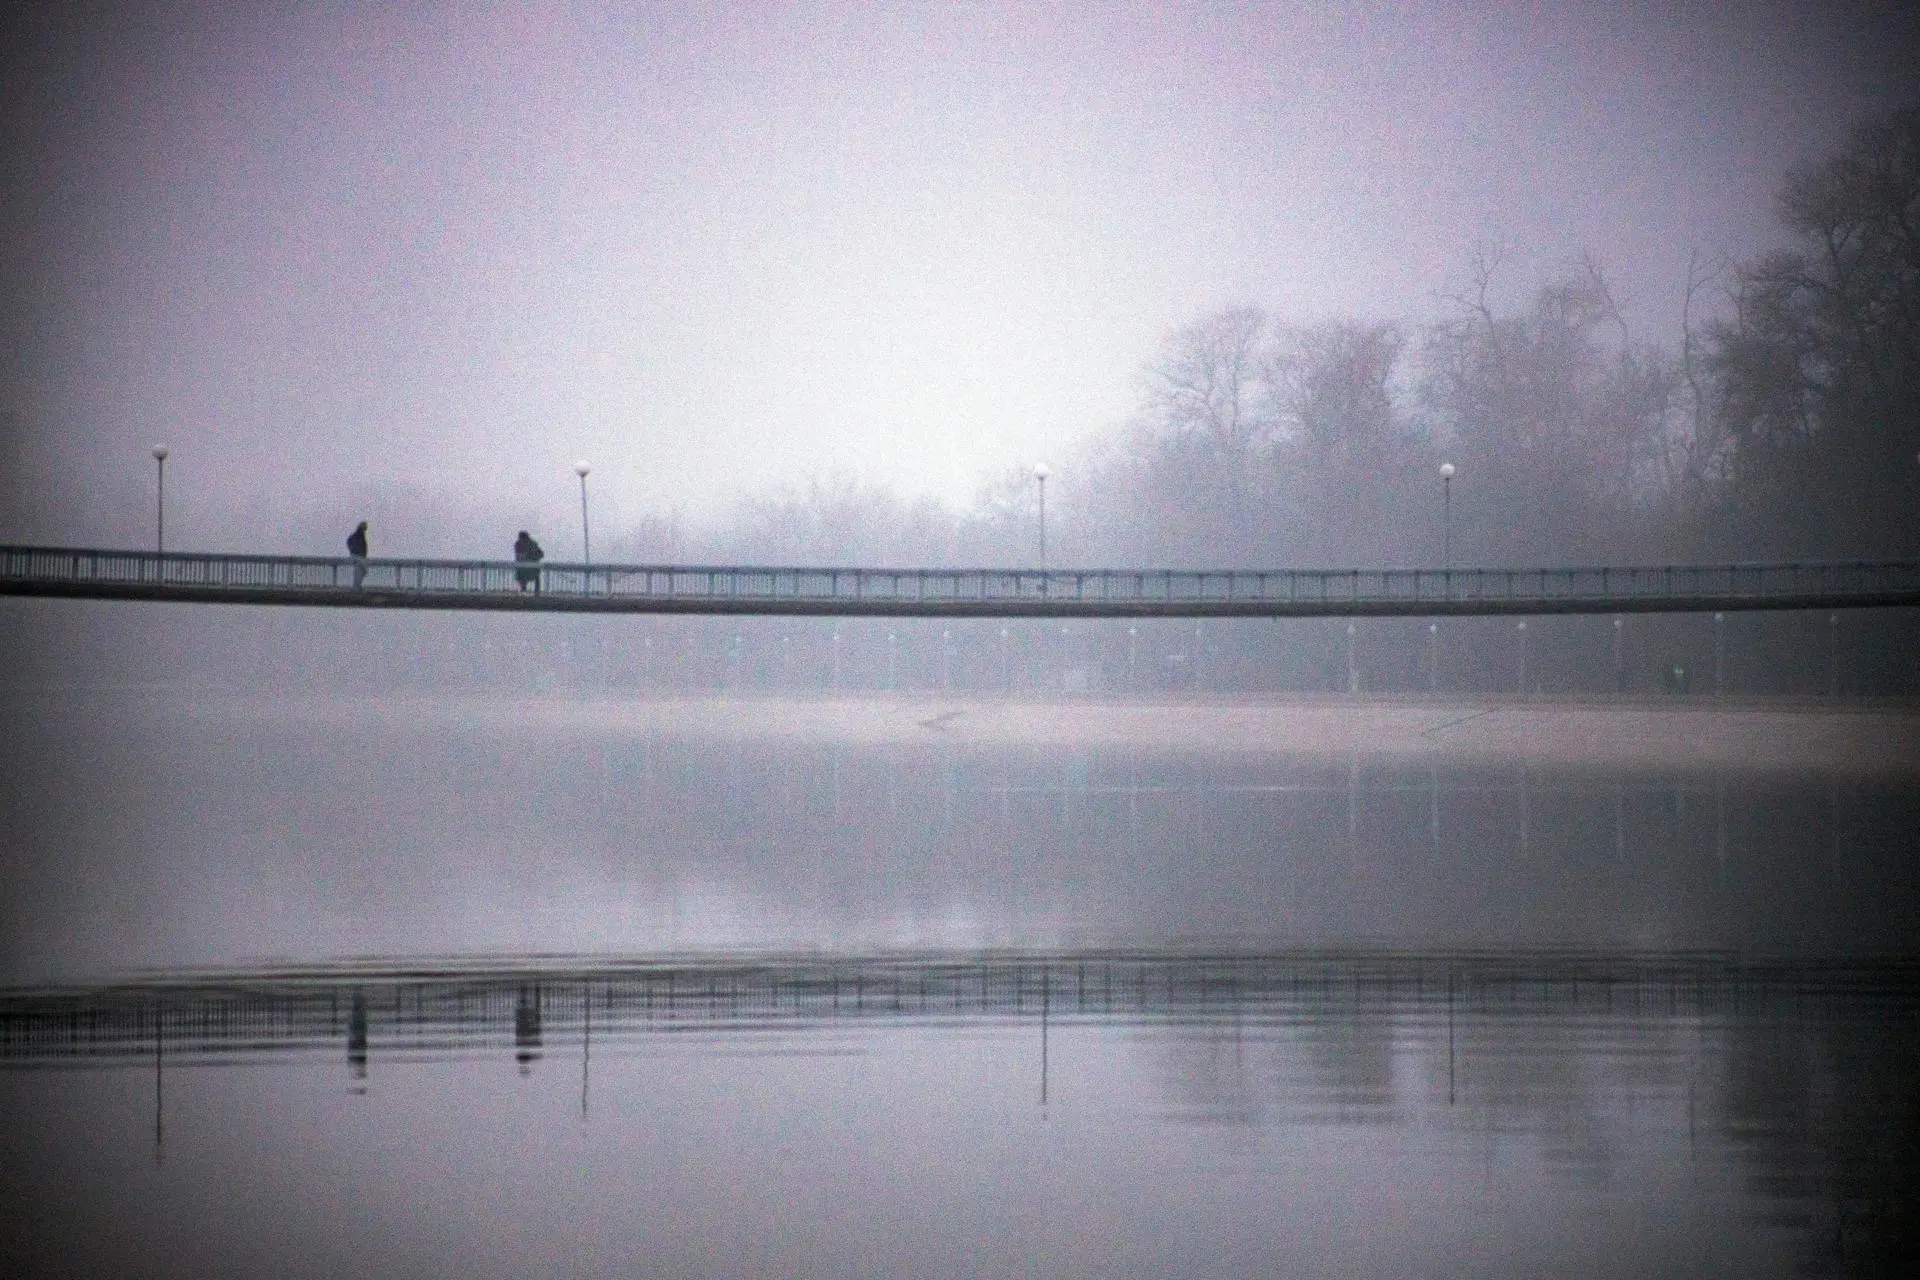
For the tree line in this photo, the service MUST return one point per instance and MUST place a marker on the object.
(1782, 422)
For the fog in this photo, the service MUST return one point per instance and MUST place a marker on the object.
(1514, 426)
(1582, 937)
(410, 266)
(183, 828)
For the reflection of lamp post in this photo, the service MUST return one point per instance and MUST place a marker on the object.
(1619, 656)
(1040, 474)
(160, 500)
(1719, 654)
(586, 542)
(1833, 655)
(1446, 515)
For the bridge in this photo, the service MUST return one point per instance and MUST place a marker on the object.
(105, 574)
(435, 1009)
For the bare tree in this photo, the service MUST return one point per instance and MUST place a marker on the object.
(1346, 458)
(837, 520)
(1211, 382)
(1818, 370)
(1208, 413)
(1557, 427)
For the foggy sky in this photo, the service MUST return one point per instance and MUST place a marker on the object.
(331, 254)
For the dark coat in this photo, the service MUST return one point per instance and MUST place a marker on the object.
(357, 542)
(527, 556)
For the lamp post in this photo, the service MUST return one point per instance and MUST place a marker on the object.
(160, 499)
(586, 541)
(1040, 474)
(1446, 570)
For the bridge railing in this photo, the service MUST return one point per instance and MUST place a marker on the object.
(421, 1011)
(49, 570)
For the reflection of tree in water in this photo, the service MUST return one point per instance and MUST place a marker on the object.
(1810, 1090)
(1210, 1077)
(1802, 1075)
(1538, 1088)
(1347, 1058)
(1827, 1110)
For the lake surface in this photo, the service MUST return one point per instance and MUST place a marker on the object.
(335, 988)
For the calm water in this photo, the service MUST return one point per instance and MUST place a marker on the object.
(727, 1009)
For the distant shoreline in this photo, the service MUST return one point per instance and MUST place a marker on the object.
(1878, 739)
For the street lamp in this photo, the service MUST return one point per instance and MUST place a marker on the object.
(1446, 515)
(160, 500)
(1040, 474)
(586, 541)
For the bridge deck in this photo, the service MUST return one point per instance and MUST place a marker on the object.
(950, 593)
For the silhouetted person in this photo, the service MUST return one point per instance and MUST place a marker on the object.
(526, 1028)
(357, 548)
(357, 1037)
(527, 556)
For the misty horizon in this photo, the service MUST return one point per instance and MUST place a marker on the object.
(410, 270)
(494, 939)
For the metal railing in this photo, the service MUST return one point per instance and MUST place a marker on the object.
(752, 589)
(417, 1010)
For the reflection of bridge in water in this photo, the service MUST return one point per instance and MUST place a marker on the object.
(425, 1012)
(951, 593)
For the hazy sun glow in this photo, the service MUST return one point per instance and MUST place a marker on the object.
(322, 251)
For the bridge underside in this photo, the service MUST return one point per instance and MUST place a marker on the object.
(544, 602)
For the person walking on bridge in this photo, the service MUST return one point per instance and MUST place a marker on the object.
(527, 556)
(357, 548)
